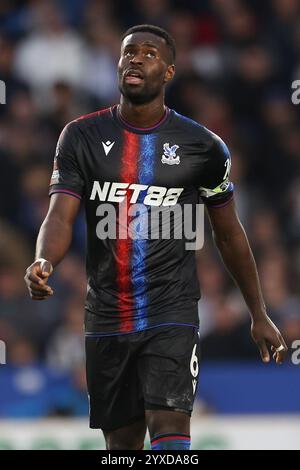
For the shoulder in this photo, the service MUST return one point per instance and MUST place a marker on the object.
(205, 138)
(85, 121)
(92, 118)
(72, 129)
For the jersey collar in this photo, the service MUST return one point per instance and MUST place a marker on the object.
(140, 130)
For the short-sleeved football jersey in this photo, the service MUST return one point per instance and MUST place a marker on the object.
(137, 277)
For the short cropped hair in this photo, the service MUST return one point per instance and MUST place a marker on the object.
(162, 33)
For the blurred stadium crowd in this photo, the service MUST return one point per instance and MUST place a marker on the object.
(236, 61)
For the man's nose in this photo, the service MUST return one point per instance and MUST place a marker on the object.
(137, 59)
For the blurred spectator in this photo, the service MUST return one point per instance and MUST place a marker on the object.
(99, 70)
(12, 83)
(66, 348)
(229, 339)
(30, 389)
(41, 57)
(65, 105)
(35, 205)
(182, 26)
(151, 12)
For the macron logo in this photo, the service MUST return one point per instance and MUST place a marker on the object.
(107, 146)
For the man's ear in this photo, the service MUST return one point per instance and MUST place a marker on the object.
(170, 72)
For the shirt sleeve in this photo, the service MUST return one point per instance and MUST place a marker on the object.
(215, 188)
(67, 176)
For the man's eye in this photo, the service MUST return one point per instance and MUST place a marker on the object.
(128, 54)
(151, 55)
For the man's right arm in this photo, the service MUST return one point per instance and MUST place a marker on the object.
(52, 244)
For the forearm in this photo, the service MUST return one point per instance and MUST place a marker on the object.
(54, 239)
(238, 258)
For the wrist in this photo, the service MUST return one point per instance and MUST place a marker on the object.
(45, 264)
(257, 315)
(42, 260)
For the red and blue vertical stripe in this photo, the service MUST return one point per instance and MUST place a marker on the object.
(137, 166)
(171, 442)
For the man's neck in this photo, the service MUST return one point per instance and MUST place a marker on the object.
(144, 115)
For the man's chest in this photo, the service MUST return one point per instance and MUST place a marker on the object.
(115, 156)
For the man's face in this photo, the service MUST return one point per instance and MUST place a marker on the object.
(144, 67)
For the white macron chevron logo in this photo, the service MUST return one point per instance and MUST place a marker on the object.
(107, 146)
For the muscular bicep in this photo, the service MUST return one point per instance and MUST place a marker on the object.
(63, 207)
(224, 220)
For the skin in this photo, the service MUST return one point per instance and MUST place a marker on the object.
(142, 105)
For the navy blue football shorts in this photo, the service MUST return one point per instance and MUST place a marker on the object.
(130, 373)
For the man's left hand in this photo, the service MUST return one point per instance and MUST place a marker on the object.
(264, 332)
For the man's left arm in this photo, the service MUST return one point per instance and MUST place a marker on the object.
(231, 240)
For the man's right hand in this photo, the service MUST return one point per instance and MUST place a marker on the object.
(36, 279)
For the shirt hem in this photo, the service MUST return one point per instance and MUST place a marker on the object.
(90, 334)
(65, 191)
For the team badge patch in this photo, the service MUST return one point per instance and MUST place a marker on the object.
(169, 156)
(55, 174)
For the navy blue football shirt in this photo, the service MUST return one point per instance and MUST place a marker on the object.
(125, 175)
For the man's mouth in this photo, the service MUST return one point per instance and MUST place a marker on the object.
(134, 77)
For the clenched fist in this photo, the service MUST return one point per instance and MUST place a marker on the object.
(36, 278)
